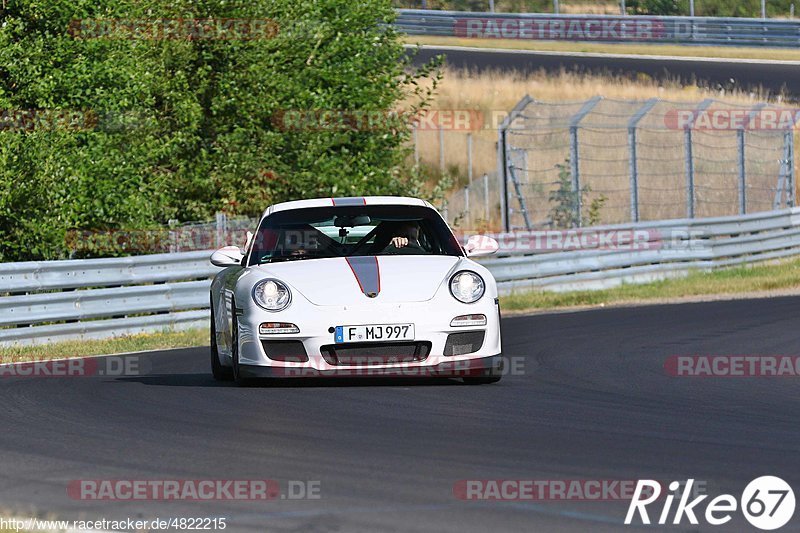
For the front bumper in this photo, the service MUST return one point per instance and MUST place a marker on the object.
(431, 321)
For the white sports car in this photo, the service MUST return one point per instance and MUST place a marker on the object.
(373, 286)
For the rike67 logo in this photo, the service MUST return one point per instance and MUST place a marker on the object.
(767, 503)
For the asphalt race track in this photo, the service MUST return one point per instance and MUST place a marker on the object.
(774, 76)
(593, 402)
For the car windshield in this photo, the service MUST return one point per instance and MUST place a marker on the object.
(350, 231)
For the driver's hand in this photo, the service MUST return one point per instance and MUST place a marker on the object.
(399, 242)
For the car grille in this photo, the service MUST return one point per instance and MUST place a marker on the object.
(286, 351)
(375, 353)
(464, 343)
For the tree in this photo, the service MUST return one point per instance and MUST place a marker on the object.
(184, 126)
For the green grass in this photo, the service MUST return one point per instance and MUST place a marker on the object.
(729, 52)
(129, 343)
(752, 279)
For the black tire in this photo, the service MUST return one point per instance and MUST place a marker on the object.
(237, 376)
(220, 373)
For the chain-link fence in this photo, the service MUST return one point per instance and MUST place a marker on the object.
(173, 238)
(606, 161)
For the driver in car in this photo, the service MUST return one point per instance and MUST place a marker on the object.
(406, 239)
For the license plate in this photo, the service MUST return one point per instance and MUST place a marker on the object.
(376, 332)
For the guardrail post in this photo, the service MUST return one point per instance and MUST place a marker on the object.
(632, 160)
(742, 173)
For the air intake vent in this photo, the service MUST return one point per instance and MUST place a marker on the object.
(464, 343)
(285, 351)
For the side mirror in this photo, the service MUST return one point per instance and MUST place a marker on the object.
(478, 245)
(227, 256)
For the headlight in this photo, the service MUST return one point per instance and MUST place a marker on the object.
(272, 295)
(467, 287)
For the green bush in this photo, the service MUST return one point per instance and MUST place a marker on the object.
(181, 128)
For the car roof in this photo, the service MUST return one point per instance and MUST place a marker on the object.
(354, 200)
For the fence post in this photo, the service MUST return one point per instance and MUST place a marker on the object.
(502, 158)
(742, 159)
(689, 161)
(469, 157)
(222, 229)
(173, 236)
(502, 177)
(688, 149)
(634, 177)
(467, 215)
(486, 197)
(441, 148)
(790, 162)
(633, 162)
(416, 145)
(574, 170)
(574, 153)
(742, 173)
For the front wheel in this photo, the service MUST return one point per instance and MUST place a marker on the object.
(220, 373)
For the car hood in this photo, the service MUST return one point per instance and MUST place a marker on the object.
(359, 280)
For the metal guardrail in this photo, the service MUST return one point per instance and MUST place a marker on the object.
(42, 302)
(602, 28)
(669, 248)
